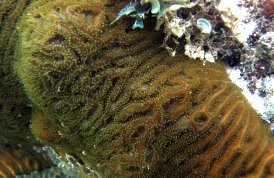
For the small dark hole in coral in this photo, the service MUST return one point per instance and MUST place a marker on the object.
(200, 118)
(58, 9)
(27, 124)
(169, 144)
(12, 109)
(109, 120)
(133, 169)
(38, 16)
(138, 132)
(10, 127)
(79, 61)
(59, 58)
(92, 111)
(215, 86)
(88, 15)
(172, 102)
(41, 85)
(1, 107)
(195, 103)
(8, 145)
(268, 172)
(116, 136)
(115, 81)
(248, 139)
(2, 74)
(108, 20)
(82, 103)
(129, 29)
(86, 41)
(57, 39)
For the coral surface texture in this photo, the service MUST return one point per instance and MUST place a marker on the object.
(114, 99)
(15, 111)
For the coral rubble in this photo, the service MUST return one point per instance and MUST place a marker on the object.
(119, 103)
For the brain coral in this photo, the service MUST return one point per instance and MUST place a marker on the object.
(15, 113)
(121, 104)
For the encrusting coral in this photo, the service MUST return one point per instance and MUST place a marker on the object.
(121, 104)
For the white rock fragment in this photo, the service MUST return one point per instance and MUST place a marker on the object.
(177, 27)
(237, 19)
(263, 105)
(197, 52)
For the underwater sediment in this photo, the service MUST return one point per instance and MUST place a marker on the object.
(111, 97)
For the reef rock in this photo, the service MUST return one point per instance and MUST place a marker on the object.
(118, 102)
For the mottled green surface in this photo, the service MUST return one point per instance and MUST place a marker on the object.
(15, 110)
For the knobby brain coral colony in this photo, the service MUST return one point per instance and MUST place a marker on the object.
(118, 102)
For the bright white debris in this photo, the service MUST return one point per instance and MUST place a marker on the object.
(237, 19)
(198, 53)
(263, 105)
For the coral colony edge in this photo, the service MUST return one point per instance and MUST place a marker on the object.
(112, 89)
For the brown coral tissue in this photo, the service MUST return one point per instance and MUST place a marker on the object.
(122, 105)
